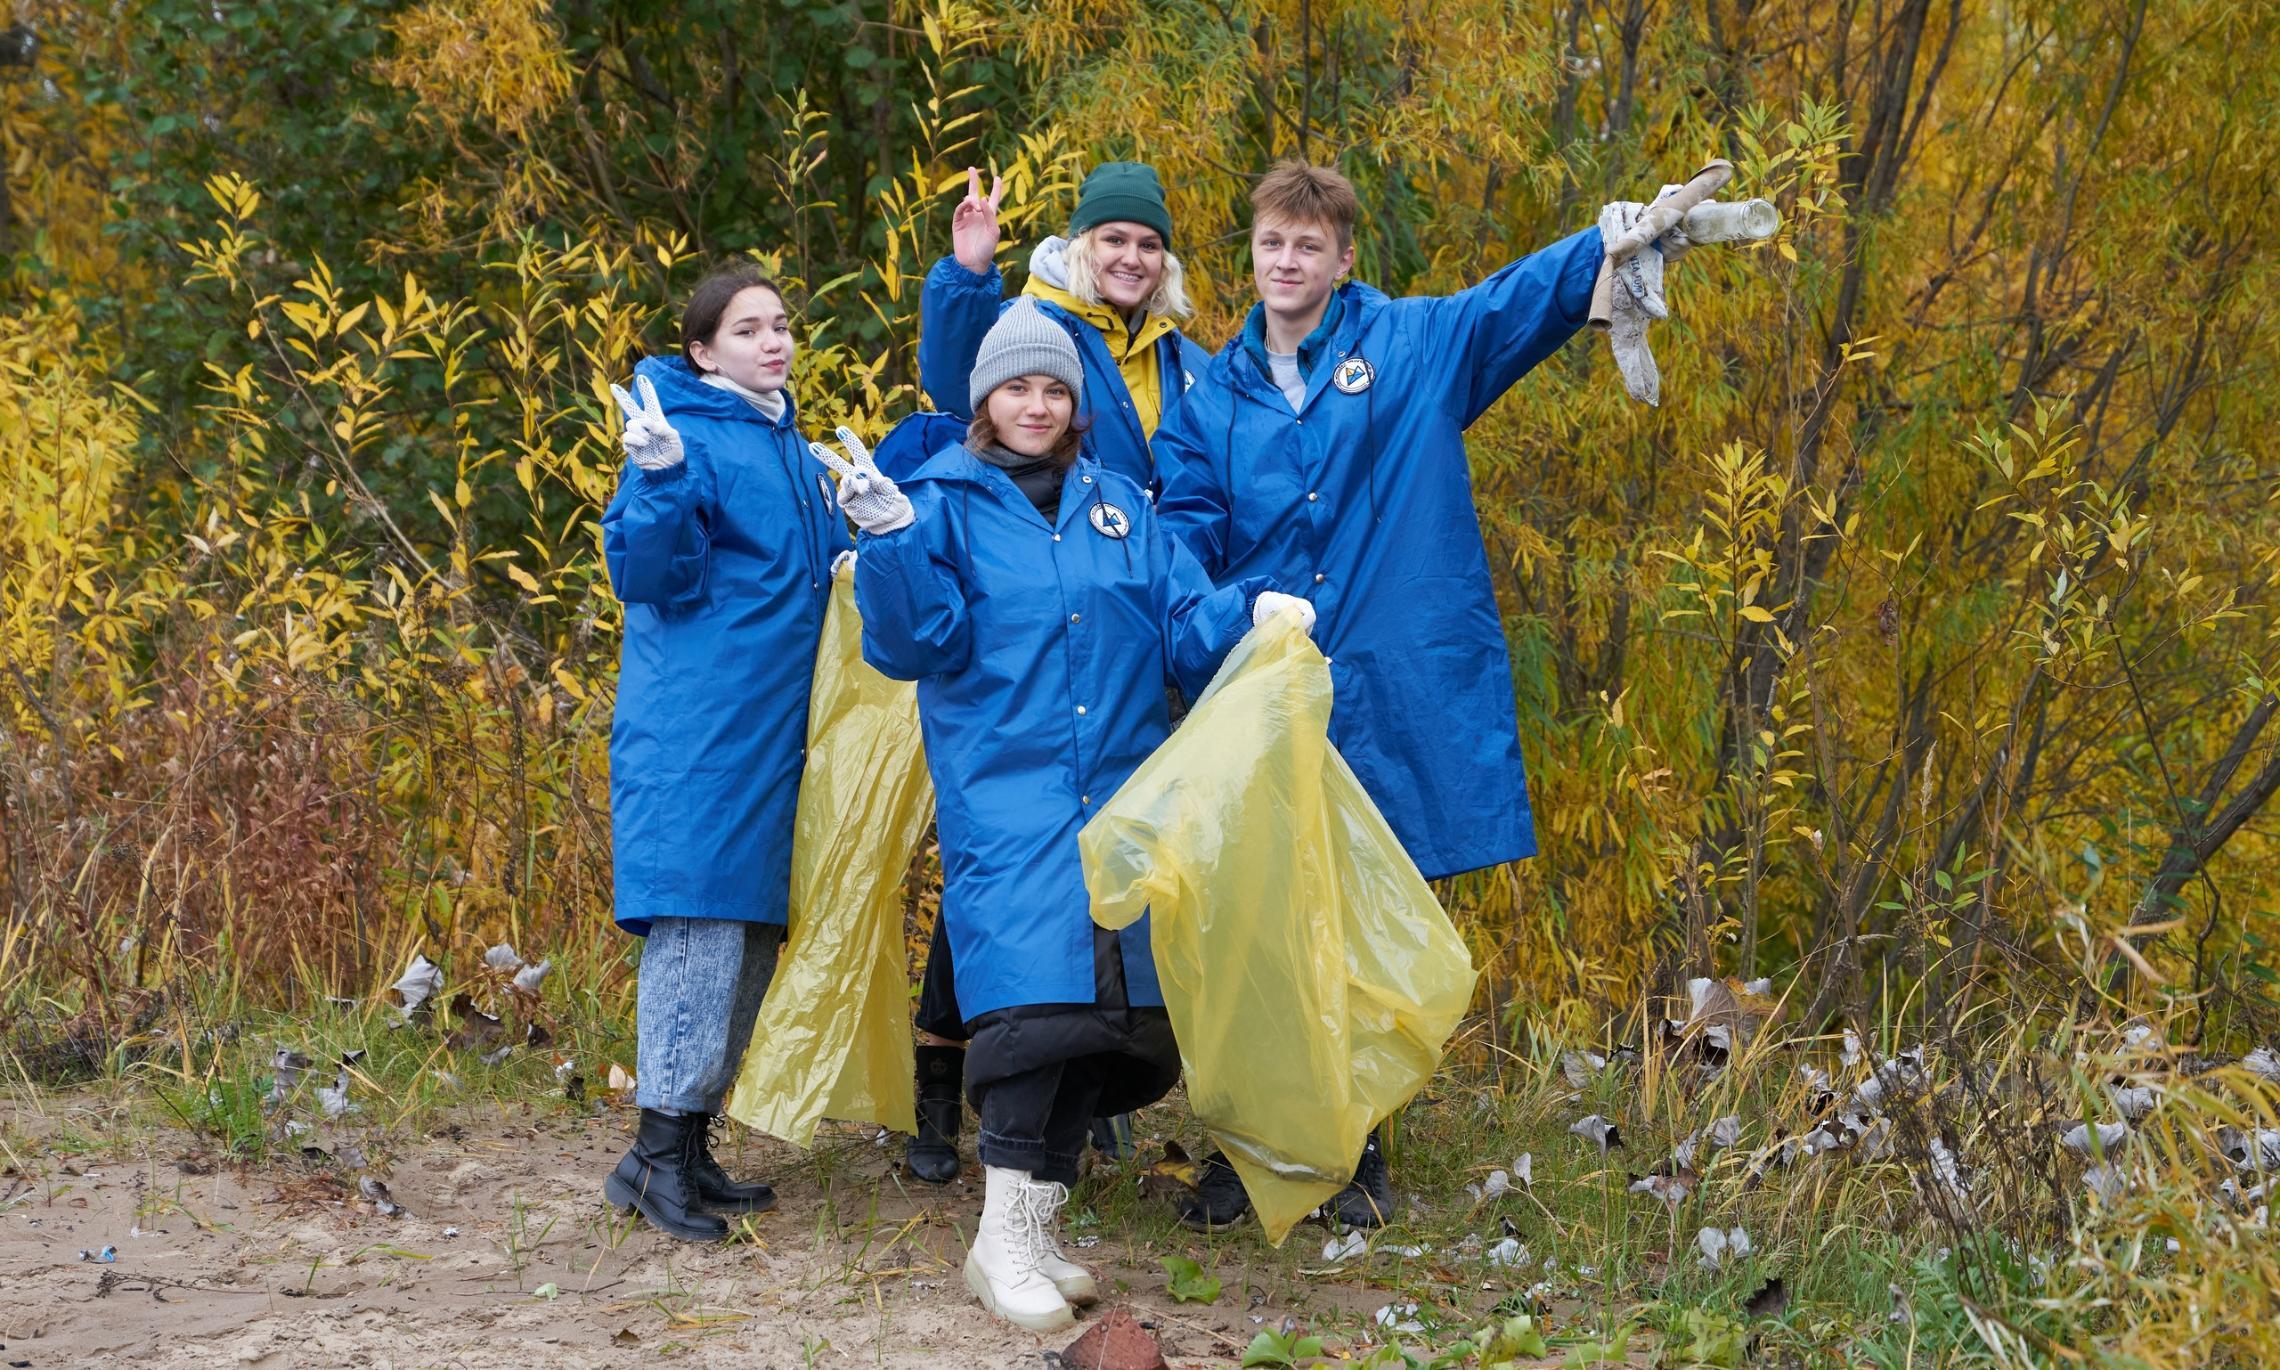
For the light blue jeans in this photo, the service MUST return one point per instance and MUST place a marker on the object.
(700, 986)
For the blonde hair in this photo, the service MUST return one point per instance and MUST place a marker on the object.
(1300, 193)
(1170, 296)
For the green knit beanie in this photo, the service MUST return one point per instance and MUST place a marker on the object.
(1127, 191)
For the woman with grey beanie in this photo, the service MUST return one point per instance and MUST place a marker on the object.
(1034, 597)
(1117, 292)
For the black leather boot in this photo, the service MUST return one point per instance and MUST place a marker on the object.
(654, 1178)
(933, 1153)
(715, 1188)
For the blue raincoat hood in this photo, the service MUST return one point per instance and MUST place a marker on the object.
(682, 389)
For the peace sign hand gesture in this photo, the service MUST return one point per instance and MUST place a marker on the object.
(865, 494)
(649, 439)
(974, 225)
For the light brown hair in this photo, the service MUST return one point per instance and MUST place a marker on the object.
(1303, 193)
(981, 433)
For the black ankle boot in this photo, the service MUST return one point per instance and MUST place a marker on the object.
(1367, 1201)
(933, 1153)
(714, 1186)
(654, 1178)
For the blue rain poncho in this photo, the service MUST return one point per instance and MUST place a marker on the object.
(1362, 501)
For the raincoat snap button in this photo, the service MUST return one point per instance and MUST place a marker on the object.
(1056, 537)
(1076, 618)
(1088, 480)
(1319, 577)
(1313, 495)
(1080, 711)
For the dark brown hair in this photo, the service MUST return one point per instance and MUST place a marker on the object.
(981, 433)
(701, 320)
(1306, 194)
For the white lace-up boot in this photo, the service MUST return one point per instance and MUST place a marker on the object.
(1073, 1280)
(1005, 1266)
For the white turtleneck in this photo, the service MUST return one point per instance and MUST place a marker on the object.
(769, 402)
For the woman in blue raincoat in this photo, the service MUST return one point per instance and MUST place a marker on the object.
(1115, 286)
(1112, 282)
(720, 542)
(1040, 605)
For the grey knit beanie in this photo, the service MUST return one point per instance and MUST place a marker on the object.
(1023, 342)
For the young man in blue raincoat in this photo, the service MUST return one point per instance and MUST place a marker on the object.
(1324, 448)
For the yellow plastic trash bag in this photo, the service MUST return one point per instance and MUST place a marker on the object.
(1311, 977)
(833, 1036)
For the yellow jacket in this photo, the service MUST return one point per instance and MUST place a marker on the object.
(1133, 348)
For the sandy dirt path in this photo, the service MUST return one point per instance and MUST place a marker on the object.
(505, 1255)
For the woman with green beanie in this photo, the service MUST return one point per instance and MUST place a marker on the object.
(1115, 288)
(1113, 283)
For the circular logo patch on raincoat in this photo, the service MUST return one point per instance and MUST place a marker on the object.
(1353, 376)
(1110, 521)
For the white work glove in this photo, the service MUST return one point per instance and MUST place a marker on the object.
(650, 441)
(1272, 602)
(843, 559)
(1638, 295)
(1637, 300)
(865, 494)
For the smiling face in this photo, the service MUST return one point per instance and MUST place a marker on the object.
(1128, 262)
(1030, 413)
(753, 345)
(1296, 265)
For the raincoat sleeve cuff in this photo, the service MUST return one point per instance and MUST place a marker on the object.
(914, 615)
(950, 275)
(1214, 624)
(1578, 274)
(956, 309)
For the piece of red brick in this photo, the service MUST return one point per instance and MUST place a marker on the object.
(1116, 1342)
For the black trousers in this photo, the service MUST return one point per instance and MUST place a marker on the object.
(938, 992)
(1039, 1074)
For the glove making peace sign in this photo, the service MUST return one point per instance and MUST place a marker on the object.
(649, 439)
(865, 494)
